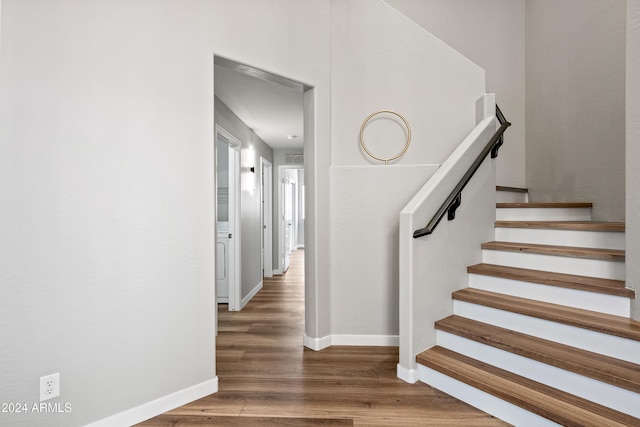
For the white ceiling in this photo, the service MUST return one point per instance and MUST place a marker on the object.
(270, 105)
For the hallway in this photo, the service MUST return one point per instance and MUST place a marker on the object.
(267, 377)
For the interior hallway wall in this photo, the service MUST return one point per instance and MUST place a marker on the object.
(491, 34)
(575, 65)
(107, 225)
(250, 203)
(382, 60)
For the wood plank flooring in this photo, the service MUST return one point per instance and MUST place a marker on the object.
(267, 378)
(567, 251)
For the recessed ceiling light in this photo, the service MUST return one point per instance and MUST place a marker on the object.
(292, 136)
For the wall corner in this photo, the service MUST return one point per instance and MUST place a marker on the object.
(485, 107)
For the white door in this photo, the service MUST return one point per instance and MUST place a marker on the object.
(293, 235)
(287, 222)
(223, 210)
(227, 211)
(267, 218)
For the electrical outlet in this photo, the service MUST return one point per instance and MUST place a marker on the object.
(49, 386)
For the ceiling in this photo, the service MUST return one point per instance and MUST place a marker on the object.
(270, 105)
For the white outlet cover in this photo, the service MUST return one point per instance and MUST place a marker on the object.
(49, 386)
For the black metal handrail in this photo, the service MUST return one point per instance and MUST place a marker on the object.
(454, 200)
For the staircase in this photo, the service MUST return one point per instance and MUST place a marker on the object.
(542, 335)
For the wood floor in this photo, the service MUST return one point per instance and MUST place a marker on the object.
(267, 378)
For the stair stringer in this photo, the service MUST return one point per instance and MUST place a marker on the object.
(433, 267)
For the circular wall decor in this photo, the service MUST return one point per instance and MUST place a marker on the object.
(386, 160)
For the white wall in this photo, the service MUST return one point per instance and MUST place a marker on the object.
(250, 206)
(576, 103)
(365, 206)
(106, 182)
(382, 60)
(633, 151)
(491, 34)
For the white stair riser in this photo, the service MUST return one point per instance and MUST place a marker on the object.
(585, 339)
(596, 391)
(484, 401)
(543, 214)
(511, 197)
(603, 303)
(558, 264)
(586, 239)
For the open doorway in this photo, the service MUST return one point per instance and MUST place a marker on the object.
(266, 214)
(290, 213)
(262, 101)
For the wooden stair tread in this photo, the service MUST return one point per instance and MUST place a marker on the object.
(593, 365)
(568, 251)
(548, 402)
(586, 319)
(548, 205)
(512, 189)
(565, 225)
(570, 281)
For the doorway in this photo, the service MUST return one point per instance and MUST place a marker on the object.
(230, 76)
(266, 214)
(227, 219)
(290, 213)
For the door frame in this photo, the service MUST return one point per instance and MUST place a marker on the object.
(281, 177)
(234, 218)
(266, 196)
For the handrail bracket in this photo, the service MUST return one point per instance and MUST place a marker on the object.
(494, 150)
(451, 211)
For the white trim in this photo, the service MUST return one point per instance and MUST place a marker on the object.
(580, 238)
(159, 406)
(354, 340)
(365, 340)
(604, 268)
(603, 303)
(251, 294)
(543, 214)
(300, 246)
(277, 272)
(317, 344)
(410, 376)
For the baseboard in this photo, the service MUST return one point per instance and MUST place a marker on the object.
(277, 272)
(159, 406)
(372, 340)
(251, 294)
(300, 246)
(223, 300)
(410, 376)
(354, 340)
(317, 344)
